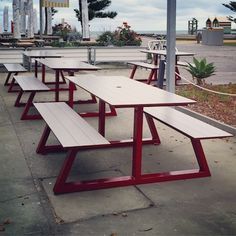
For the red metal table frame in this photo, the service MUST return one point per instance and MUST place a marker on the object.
(121, 92)
(157, 53)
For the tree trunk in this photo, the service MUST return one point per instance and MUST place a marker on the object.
(46, 21)
(85, 20)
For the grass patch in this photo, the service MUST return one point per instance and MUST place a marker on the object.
(217, 106)
(202, 95)
(230, 44)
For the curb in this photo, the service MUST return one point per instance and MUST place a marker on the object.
(210, 121)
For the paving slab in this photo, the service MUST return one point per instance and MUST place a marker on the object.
(25, 216)
(84, 205)
(12, 160)
(174, 220)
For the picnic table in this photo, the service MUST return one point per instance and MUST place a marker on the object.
(158, 53)
(37, 54)
(70, 65)
(121, 92)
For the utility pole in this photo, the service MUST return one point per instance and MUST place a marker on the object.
(170, 50)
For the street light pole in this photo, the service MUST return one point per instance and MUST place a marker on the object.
(170, 53)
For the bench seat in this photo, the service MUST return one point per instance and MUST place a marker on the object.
(183, 63)
(29, 84)
(73, 133)
(185, 124)
(149, 66)
(144, 65)
(190, 127)
(12, 68)
(70, 128)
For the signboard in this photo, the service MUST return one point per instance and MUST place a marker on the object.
(55, 3)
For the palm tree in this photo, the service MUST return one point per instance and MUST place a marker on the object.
(96, 10)
(232, 7)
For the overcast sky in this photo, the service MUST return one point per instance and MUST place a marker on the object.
(142, 14)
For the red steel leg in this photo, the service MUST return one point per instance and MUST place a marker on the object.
(7, 79)
(12, 84)
(153, 129)
(57, 86)
(29, 103)
(17, 102)
(155, 63)
(43, 140)
(101, 119)
(137, 145)
(63, 77)
(71, 94)
(43, 73)
(202, 162)
(64, 172)
(133, 71)
(151, 75)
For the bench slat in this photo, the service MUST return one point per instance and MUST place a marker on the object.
(70, 129)
(183, 63)
(30, 83)
(145, 65)
(12, 67)
(185, 124)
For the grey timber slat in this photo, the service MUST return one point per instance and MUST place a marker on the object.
(121, 91)
(30, 83)
(70, 129)
(144, 65)
(186, 124)
(12, 67)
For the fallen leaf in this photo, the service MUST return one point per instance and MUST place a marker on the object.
(114, 234)
(145, 230)
(2, 228)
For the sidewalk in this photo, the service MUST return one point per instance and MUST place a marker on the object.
(193, 207)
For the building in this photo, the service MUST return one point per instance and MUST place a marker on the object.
(223, 22)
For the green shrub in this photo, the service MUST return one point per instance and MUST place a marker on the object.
(123, 36)
(200, 69)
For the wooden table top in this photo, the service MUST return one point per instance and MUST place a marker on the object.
(67, 64)
(40, 54)
(163, 52)
(122, 91)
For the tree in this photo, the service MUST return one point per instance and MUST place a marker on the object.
(232, 7)
(96, 10)
(54, 11)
